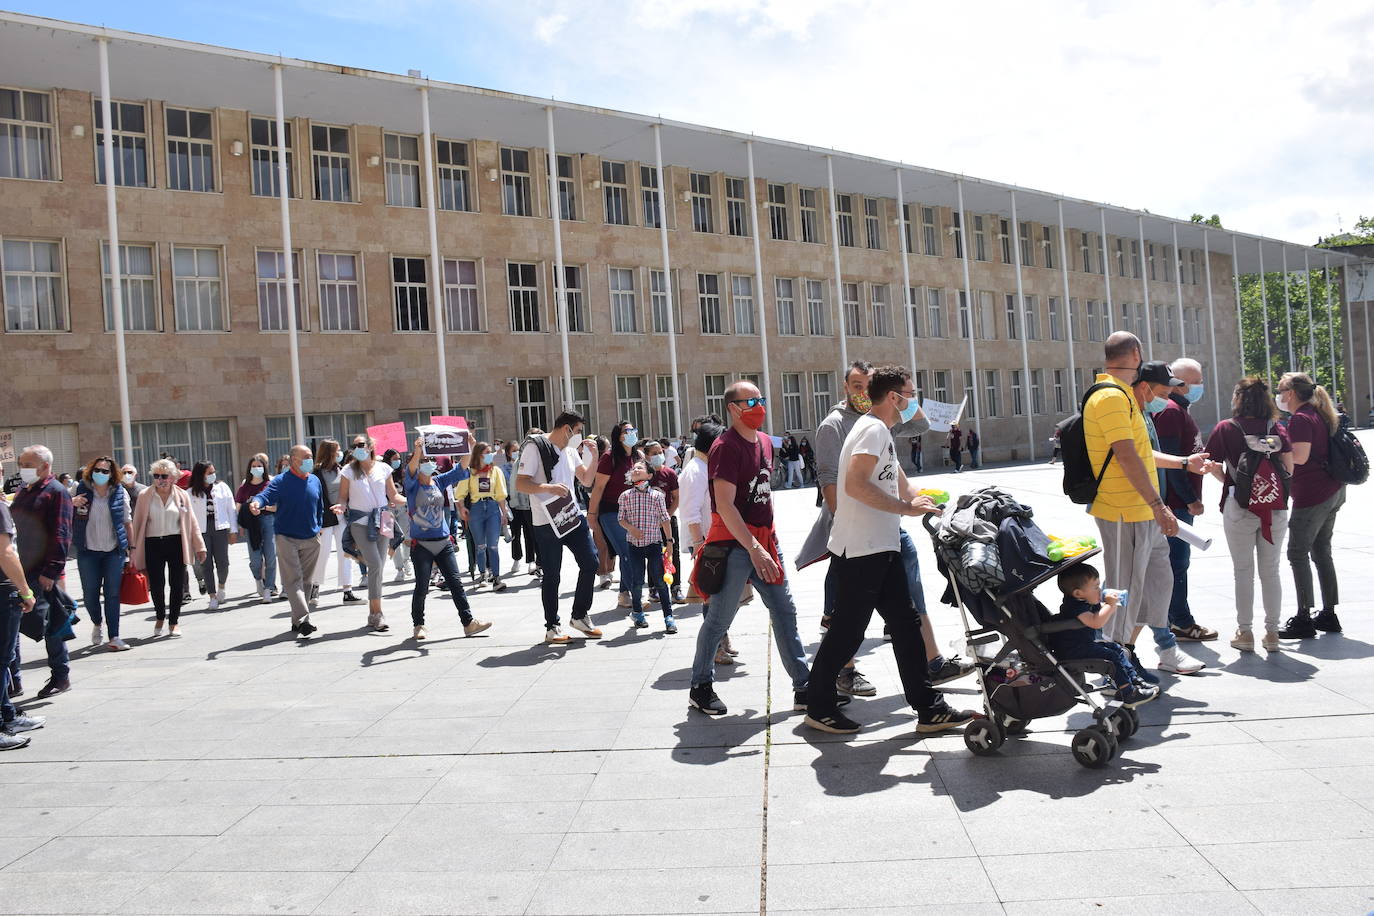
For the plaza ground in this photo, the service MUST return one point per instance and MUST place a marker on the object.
(236, 770)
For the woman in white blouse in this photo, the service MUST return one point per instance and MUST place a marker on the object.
(165, 540)
(366, 495)
(213, 504)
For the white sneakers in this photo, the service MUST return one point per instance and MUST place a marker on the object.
(1176, 661)
(97, 635)
(265, 594)
(214, 602)
(530, 568)
(584, 626)
(117, 645)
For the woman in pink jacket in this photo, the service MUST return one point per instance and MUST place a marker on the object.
(165, 539)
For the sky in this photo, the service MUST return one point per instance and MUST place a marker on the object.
(1257, 111)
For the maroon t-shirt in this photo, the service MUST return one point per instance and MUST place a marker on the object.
(1228, 444)
(747, 465)
(1312, 485)
(619, 473)
(665, 481)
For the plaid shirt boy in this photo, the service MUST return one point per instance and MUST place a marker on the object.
(646, 510)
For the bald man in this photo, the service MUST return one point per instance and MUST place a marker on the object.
(300, 513)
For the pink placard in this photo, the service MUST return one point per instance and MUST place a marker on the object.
(389, 435)
(457, 422)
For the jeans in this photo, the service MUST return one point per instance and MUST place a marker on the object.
(973, 458)
(1309, 534)
(484, 521)
(616, 538)
(874, 582)
(1123, 671)
(579, 544)
(739, 570)
(955, 459)
(918, 461)
(49, 604)
(1180, 558)
(652, 558)
(10, 612)
(522, 526)
(1251, 554)
(101, 571)
(263, 561)
(911, 560)
(215, 569)
(447, 561)
(166, 575)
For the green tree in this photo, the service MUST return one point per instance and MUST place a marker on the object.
(1214, 220)
(1362, 234)
(1312, 353)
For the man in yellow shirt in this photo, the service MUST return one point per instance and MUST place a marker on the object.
(1132, 519)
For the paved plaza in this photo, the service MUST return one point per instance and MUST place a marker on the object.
(237, 770)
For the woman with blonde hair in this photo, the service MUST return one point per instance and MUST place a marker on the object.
(101, 543)
(165, 540)
(481, 499)
(1317, 498)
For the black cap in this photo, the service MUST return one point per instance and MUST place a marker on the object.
(1157, 372)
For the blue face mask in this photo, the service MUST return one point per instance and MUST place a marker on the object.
(630, 438)
(100, 477)
(395, 464)
(210, 479)
(488, 459)
(427, 468)
(1155, 405)
(909, 411)
(308, 466)
(656, 462)
(361, 454)
(1195, 393)
(257, 471)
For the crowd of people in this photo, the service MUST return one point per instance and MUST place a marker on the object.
(626, 504)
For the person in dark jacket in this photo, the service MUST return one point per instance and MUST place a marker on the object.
(42, 511)
(101, 543)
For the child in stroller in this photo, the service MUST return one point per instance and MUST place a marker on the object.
(1083, 602)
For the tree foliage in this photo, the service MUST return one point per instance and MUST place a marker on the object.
(1311, 353)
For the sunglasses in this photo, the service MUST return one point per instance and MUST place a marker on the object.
(106, 470)
(751, 402)
(162, 476)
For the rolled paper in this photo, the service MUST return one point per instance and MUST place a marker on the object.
(1188, 534)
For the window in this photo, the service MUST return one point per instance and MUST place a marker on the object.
(965, 319)
(1171, 331)
(1195, 258)
(1169, 263)
(1013, 324)
(1121, 258)
(1031, 306)
(1056, 321)
(1018, 394)
(810, 221)
(822, 394)
(702, 218)
(462, 300)
(648, 189)
(576, 302)
(908, 232)
(1046, 247)
(1059, 393)
(516, 198)
(935, 312)
(872, 223)
(853, 314)
(331, 163)
(970, 395)
(1126, 316)
(1027, 247)
(567, 187)
(410, 289)
(26, 135)
(138, 286)
(844, 209)
(736, 215)
(130, 136)
(1150, 249)
(262, 136)
(615, 193)
(667, 403)
(990, 393)
(1075, 319)
(817, 315)
(942, 385)
(1135, 259)
(1141, 329)
(1158, 327)
(455, 175)
(188, 441)
(715, 395)
(980, 246)
(742, 299)
(792, 401)
(629, 399)
(930, 232)
(340, 308)
(582, 400)
(624, 310)
(478, 419)
(34, 296)
(522, 284)
(882, 312)
(913, 311)
(197, 285)
(708, 299)
(957, 230)
(1038, 391)
(338, 426)
(402, 169)
(532, 402)
(659, 298)
(784, 293)
(272, 294)
(777, 212)
(1092, 320)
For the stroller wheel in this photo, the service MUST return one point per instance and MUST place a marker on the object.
(1093, 747)
(1125, 722)
(983, 736)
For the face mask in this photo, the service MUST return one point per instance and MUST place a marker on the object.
(909, 411)
(487, 459)
(361, 454)
(754, 417)
(1195, 393)
(256, 472)
(210, 479)
(427, 468)
(656, 462)
(100, 477)
(395, 464)
(861, 403)
(28, 475)
(1156, 404)
(130, 478)
(641, 484)
(630, 439)
(308, 465)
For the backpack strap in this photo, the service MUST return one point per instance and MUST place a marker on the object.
(1082, 410)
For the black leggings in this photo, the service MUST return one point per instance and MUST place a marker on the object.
(166, 569)
(522, 526)
(447, 561)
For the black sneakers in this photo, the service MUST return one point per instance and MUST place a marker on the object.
(1327, 621)
(942, 716)
(953, 668)
(306, 628)
(799, 702)
(704, 699)
(1146, 675)
(836, 723)
(1300, 626)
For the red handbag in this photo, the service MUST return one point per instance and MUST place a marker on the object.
(133, 588)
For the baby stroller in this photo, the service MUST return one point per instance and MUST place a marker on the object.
(992, 579)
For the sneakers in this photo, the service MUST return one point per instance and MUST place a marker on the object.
(173, 630)
(1271, 641)
(10, 742)
(264, 595)
(623, 600)
(1244, 640)
(312, 598)
(852, 682)
(723, 657)
(157, 629)
(678, 597)
(669, 624)
(420, 633)
(306, 628)
(400, 576)
(349, 597)
(1299, 626)
(54, 686)
(117, 645)
(604, 582)
(475, 626)
(377, 623)
(498, 585)
(1327, 621)
(1147, 676)
(952, 669)
(531, 569)
(362, 582)
(941, 717)
(97, 635)
(1176, 661)
(1133, 695)
(584, 626)
(214, 603)
(23, 723)
(1194, 633)
(222, 597)
(801, 704)
(639, 620)
(704, 699)
(836, 723)
(552, 635)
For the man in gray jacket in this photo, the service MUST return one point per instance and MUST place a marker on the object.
(830, 436)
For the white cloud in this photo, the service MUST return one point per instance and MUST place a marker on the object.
(546, 28)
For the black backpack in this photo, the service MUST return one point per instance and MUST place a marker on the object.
(1081, 479)
(1346, 460)
(548, 454)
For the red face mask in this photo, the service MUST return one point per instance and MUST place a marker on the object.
(753, 417)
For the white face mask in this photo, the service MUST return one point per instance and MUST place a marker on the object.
(28, 475)
(130, 477)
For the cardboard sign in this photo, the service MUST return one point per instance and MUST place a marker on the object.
(941, 415)
(6, 445)
(442, 441)
(563, 512)
(389, 435)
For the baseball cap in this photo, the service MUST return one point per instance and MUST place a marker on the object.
(1157, 372)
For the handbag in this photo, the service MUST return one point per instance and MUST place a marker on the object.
(133, 587)
(708, 569)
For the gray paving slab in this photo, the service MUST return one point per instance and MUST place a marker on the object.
(1307, 900)
(656, 889)
(450, 893)
(225, 892)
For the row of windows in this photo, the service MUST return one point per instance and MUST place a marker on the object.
(792, 213)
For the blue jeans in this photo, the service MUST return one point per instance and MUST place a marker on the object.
(1122, 669)
(263, 561)
(579, 544)
(618, 539)
(739, 569)
(1180, 558)
(447, 561)
(58, 616)
(101, 573)
(910, 559)
(484, 521)
(10, 612)
(652, 558)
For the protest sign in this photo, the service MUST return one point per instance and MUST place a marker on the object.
(6, 445)
(563, 511)
(941, 415)
(445, 441)
(389, 435)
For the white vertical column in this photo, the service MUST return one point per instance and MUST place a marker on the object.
(1211, 323)
(1240, 323)
(1311, 332)
(840, 328)
(1027, 399)
(1264, 303)
(1288, 312)
(758, 276)
(968, 296)
(1331, 325)
(1368, 353)
(906, 280)
(1145, 286)
(436, 266)
(1068, 306)
(1107, 270)
(678, 396)
(284, 186)
(1178, 293)
(116, 269)
(560, 280)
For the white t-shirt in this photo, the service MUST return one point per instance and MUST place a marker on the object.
(670, 456)
(564, 472)
(861, 530)
(369, 492)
